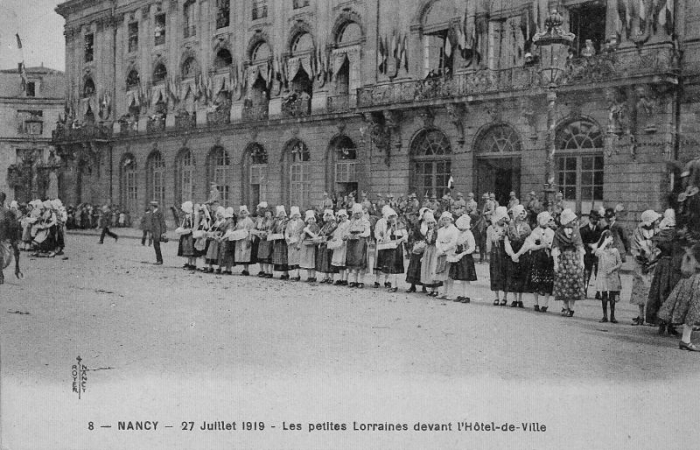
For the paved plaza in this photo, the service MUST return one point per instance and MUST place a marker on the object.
(172, 346)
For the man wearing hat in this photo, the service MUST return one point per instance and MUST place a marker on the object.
(365, 202)
(470, 205)
(105, 223)
(513, 200)
(158, 230)
(534, 207)
(590, 234)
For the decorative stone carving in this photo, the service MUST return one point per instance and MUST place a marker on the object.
(379, 134)
(527, 109)
(618, 112)
(427, 116)
(457, 112)
(646, 105)
(145, 11)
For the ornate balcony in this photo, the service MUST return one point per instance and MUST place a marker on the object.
(185, 120)
(219, 117)
(128, 126)
(338, 103)
(76, 131)
(255, 112)
(296, 106)
(155, 124)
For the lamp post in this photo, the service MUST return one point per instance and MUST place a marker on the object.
(553, 45)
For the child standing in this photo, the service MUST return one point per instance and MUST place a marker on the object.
(462, 263)
(608, 280)
(496, 234)
(307, 260)
(292, 236)
(339, 247)
(429, 260)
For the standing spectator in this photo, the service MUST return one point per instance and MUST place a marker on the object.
(590, 234)
(620, 241)
(607, 281)
(462, 263)
(471, 207)
(158, 230)
(516, 269)
(567, 251)
(540, 279)
(105, 222)
(496, 234)
(534, 207)
(513, 201)
(644, 251)
(146, 227)
(683, 304)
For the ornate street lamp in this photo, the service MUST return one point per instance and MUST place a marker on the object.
(553, 46)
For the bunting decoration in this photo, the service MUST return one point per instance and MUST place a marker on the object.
(21, 69)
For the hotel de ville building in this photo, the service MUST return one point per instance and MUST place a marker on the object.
(283, 100)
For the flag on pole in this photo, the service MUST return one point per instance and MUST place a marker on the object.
(20, 66)
(450, 183)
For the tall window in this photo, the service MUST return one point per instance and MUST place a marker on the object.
(160, 73)
(580, 165)
(129, 193)
(31, 89)
(132, 80)
(188, 19)
(133, 36)
(220, 172)
(88, 88)
(159, 29)
(257, 174)
(259, 9)
(189, 68)
(156, 178)
(223, 59)
(223, 13)
(185, 176)
(438, 51)
(432, 162)
(89, 47)
(299, 174)
(345, 170)
(587, 21)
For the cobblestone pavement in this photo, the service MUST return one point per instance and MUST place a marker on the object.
(174, 346)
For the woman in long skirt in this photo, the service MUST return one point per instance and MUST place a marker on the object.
(339, 245)
(445, 245)
(227, 248)
(682, 307)
(202, 223)
(567, 251)
(185, 246)
(279, 245)
(309, 234)
(292, 236)
(429, 261)
(497, 254)
(462, 266)
(416, 244)
(244, 247)
(540, 274)
(214, 236)
(516, 263)
(263, 229)
(667, 272)
(644, 251)
(356, 236)
(388, 232)
(323, 254)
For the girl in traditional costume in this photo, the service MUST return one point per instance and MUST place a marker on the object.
(390, 236)
(540, 273)
(429, 260)
(339, 247)
(279, 245)
(263, 229)
(227, 248)
(568, 252)
(292, 236)
(324, 255)
(185, 246)
(462, 262)
(214, 238)
(445, 245)
(496, 235)
(416, 242)
(644, 251)
(244, 247)
(309, 237)
(516, 265)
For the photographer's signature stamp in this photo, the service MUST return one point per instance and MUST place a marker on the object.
(79, 372)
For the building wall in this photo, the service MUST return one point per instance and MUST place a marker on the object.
(642, 98)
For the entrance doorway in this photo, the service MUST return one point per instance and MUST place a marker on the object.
(500, 176)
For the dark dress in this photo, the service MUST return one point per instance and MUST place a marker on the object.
(463, 270)
(414, 263)
(516, 272)
(390, 261)
(279, 247)
(323, 255)
(667, 272)
(185, 247)
(497, 264)
(540, 278)
(264, 252)
(356, 256)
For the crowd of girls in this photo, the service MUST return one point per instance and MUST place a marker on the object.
(43, 225)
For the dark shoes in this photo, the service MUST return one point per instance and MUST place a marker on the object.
(537, 308)
(411, 289)
(245, 273)
(520, 304)
(637, 321)
(461, 299)
(613, 320)
(376, 285)
(603, 320)
(543, 309)
(688, 346)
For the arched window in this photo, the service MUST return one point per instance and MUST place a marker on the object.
(261, 52)
(343, 157)
(298, 172)
(156, 178)
(431, 155)
(88, 88)
(255, 174)
(220, 172)
(438, 51)
(580, 164)
(132, 80)
(184, 176)
(498, 159)
(223, 59)
(189, 68)
(188, 19)
(128, 186)
(160, 73)
(302, 43)
(350, 34)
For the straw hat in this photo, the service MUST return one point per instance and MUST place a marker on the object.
(567, 216)
(464, 222)
(294, 212)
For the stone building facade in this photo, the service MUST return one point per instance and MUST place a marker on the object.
(29, 166)
(283, 100)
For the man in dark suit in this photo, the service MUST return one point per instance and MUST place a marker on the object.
(158, 229)
(590, 234)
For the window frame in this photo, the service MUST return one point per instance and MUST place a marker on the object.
(89, 47)
(440, 164)
(132, 37)
(159, 20)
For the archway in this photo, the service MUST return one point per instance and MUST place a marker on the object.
(498, 152)
(431, 163)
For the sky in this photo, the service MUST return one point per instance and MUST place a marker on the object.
(41, 32)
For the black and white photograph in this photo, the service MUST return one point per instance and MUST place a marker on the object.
(349, 224)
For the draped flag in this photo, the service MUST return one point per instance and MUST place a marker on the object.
(20, 66)
(382, 56)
